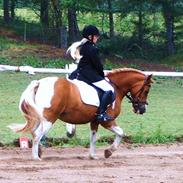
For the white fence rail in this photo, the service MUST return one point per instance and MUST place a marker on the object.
(69, 68)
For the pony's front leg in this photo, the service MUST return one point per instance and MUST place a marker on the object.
(119, 134)
(93, 138)
(38, 133)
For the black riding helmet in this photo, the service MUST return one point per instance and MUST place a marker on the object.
(90, 30)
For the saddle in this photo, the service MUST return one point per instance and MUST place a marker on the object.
(89, 94)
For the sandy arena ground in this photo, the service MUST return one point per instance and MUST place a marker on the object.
(143, 164)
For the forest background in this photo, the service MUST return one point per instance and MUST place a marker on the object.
(151, 30)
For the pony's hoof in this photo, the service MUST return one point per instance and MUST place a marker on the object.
(107, 153)
(37, 159)
(93, 157)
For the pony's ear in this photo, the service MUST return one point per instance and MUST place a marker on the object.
(149, 78)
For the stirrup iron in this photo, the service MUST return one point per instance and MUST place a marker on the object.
(103, 117)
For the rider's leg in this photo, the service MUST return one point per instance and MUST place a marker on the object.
(104, 102)
(106, 99)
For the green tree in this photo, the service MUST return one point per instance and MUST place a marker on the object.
(6, 11)
(44, 12)
(57, 13)
(73, 28)
(168, 14)
(12, 8)
(111, 20)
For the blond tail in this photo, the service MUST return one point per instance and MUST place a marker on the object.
(29, 109)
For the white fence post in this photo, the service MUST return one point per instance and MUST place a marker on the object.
(70, 67)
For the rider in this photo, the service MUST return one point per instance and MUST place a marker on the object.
(90, 69)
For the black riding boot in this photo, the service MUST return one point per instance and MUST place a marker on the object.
(106, 99)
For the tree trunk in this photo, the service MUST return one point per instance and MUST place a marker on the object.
(140, 28)
(6, 11)
(167, 8)
(13, 9)
(57, 13)
(44, 13)
(111, 21)
(72, 25)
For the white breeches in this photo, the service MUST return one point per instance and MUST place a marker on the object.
(104, 85)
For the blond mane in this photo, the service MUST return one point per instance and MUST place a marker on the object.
(115, 71)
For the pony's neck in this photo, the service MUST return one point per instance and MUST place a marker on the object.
(125, 79)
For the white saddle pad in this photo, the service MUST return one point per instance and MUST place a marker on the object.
(88, 94)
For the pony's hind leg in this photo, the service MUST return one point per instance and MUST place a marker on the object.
(38, 133)
(119, 134)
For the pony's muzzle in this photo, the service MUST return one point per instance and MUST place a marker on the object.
(139, 108)
(142, 109)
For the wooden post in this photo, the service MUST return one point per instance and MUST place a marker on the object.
(63, 37)
(25, 32)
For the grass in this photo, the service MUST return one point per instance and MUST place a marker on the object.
(15, 52)
(7, 43)
(162, 123)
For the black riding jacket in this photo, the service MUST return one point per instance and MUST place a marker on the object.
(90, 67)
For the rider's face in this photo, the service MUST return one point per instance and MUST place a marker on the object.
(95, 38)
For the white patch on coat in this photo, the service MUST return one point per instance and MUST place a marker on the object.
(93, 139)
(45, 92)
(28, 94)
(119, 134)
(117, 130)
(42, 129)
(43, 97)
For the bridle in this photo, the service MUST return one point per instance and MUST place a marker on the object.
(135, 100)
(137, 104)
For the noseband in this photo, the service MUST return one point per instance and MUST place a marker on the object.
(135, 100)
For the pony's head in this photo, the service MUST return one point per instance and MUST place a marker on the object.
(134, 82)
(139, 95)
